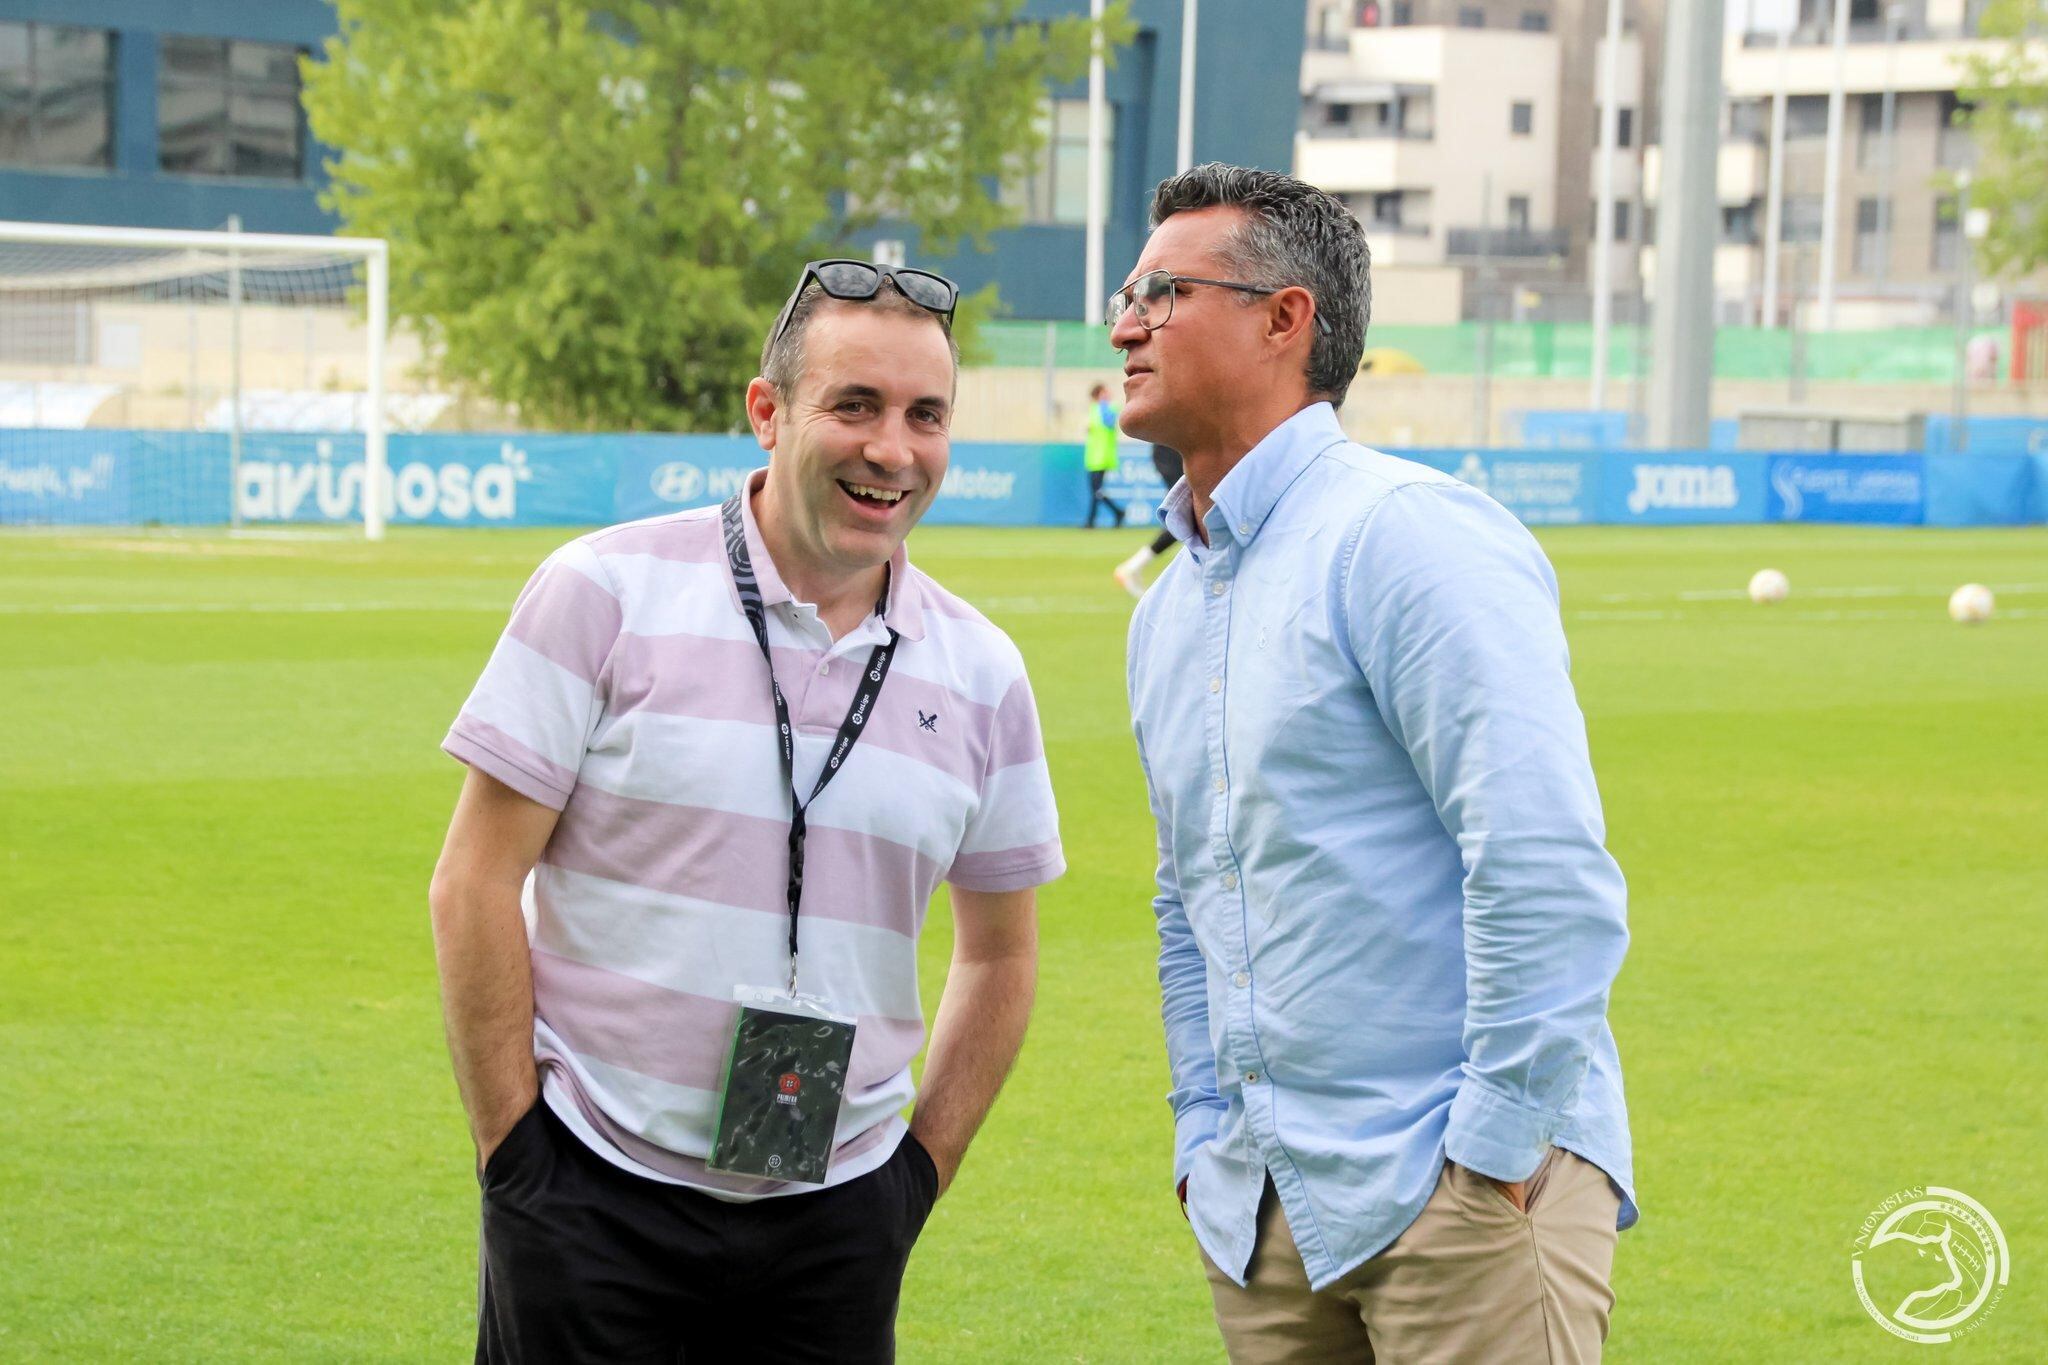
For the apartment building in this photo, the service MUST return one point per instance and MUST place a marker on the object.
(1899, 245)
(1464, 135)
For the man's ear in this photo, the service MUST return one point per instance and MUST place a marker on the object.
(763, 406)
(1290, 314)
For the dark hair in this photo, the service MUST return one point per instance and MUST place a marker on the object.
(1292, 234)
(782, 357)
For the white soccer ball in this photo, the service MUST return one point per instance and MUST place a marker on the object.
(1971, 603)
(1769, 585)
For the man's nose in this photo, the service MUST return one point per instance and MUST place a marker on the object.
(1128, 331)
(889, 447)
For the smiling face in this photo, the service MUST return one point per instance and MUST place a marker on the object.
(1182, 381)
(859, 450)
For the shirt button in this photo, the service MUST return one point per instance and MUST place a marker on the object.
(1230, 881)
(1244, 528)
(824, 670)
(1220, 785)
(1217, 589)
(1241, 980)
(1251, 1078)
(1215, 684)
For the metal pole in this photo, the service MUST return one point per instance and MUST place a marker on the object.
(1688, 226)
(1959, 406)
(1894, 20)
(1831, 187)
(1184, 150)
(376, 467)
(1091, 305)
(1603, 217)
(1482, 377)
(1774, 202)
(1796, 389)
(234, 377)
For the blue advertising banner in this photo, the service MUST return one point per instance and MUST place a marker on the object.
(1541, 487)
(63, 477)
(1671, 488)
(1980, 490)
(1859, 488)
(183, 478)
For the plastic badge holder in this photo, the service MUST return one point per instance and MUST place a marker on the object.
(785, 1081)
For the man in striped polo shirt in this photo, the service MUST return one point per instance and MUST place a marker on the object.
(640, 842)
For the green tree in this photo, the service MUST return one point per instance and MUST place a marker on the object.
(2010, 123)
(597, 206)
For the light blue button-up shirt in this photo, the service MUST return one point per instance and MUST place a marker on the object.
(1387, 918)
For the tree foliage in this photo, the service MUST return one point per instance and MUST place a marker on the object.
(597, 206)
(2010, 124)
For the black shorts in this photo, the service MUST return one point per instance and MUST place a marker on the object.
(583, 1261)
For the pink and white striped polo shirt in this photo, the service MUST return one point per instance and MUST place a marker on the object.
(629, 694)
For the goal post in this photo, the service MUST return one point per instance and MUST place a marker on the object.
(147, 330)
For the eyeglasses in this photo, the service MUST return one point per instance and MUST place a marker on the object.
(854, 281)
(1149, 298)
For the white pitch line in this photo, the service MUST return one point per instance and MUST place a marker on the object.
(1739, 594)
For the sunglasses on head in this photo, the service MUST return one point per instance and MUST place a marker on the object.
(854, 281)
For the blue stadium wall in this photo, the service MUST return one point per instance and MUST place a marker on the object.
(182, 478)
(1248, 55)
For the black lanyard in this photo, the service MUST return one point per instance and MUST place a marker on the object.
(849, 729)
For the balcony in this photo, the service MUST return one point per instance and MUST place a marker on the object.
(1506, 244)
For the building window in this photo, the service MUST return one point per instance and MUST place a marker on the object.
(1621, 224)
(1948, 237)
(1521, 118)
(1738, 224)
(1404, 13)
(56, 96)
(1806, 117)
(1057, 190)
(1518, 213)
(226, 107)
(1535, 21)
(1471, 16)
(1873, 226)
(1386, 209)
(1800, 218)
(1624, 127)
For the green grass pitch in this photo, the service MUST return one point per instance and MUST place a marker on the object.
(228, 1132)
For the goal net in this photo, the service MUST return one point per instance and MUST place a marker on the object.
(191, 378)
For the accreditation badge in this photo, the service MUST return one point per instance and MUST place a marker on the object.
(785, 1082)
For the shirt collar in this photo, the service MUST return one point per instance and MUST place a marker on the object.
(905, 615)
(1252, 488)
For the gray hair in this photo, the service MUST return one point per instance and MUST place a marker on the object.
(1292, 234)
(782, 357)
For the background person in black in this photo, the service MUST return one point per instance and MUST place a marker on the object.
(1130, 574)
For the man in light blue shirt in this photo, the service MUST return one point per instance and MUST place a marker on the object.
(1388, 923)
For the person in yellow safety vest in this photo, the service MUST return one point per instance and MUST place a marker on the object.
(1098, 454)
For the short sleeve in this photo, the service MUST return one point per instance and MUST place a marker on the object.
(529, 719)
(1012, 840)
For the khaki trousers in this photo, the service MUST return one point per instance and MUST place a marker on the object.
(1473, 1278)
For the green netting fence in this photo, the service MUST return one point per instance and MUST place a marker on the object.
(1561, 350)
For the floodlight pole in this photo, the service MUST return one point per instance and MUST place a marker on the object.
(1603, 218)
(1831, 189)
(1184, 147)
(1688, 224)
(1091, 286)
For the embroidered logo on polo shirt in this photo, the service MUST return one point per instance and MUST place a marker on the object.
(928, 722)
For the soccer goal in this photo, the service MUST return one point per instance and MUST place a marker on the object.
(154, 377)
